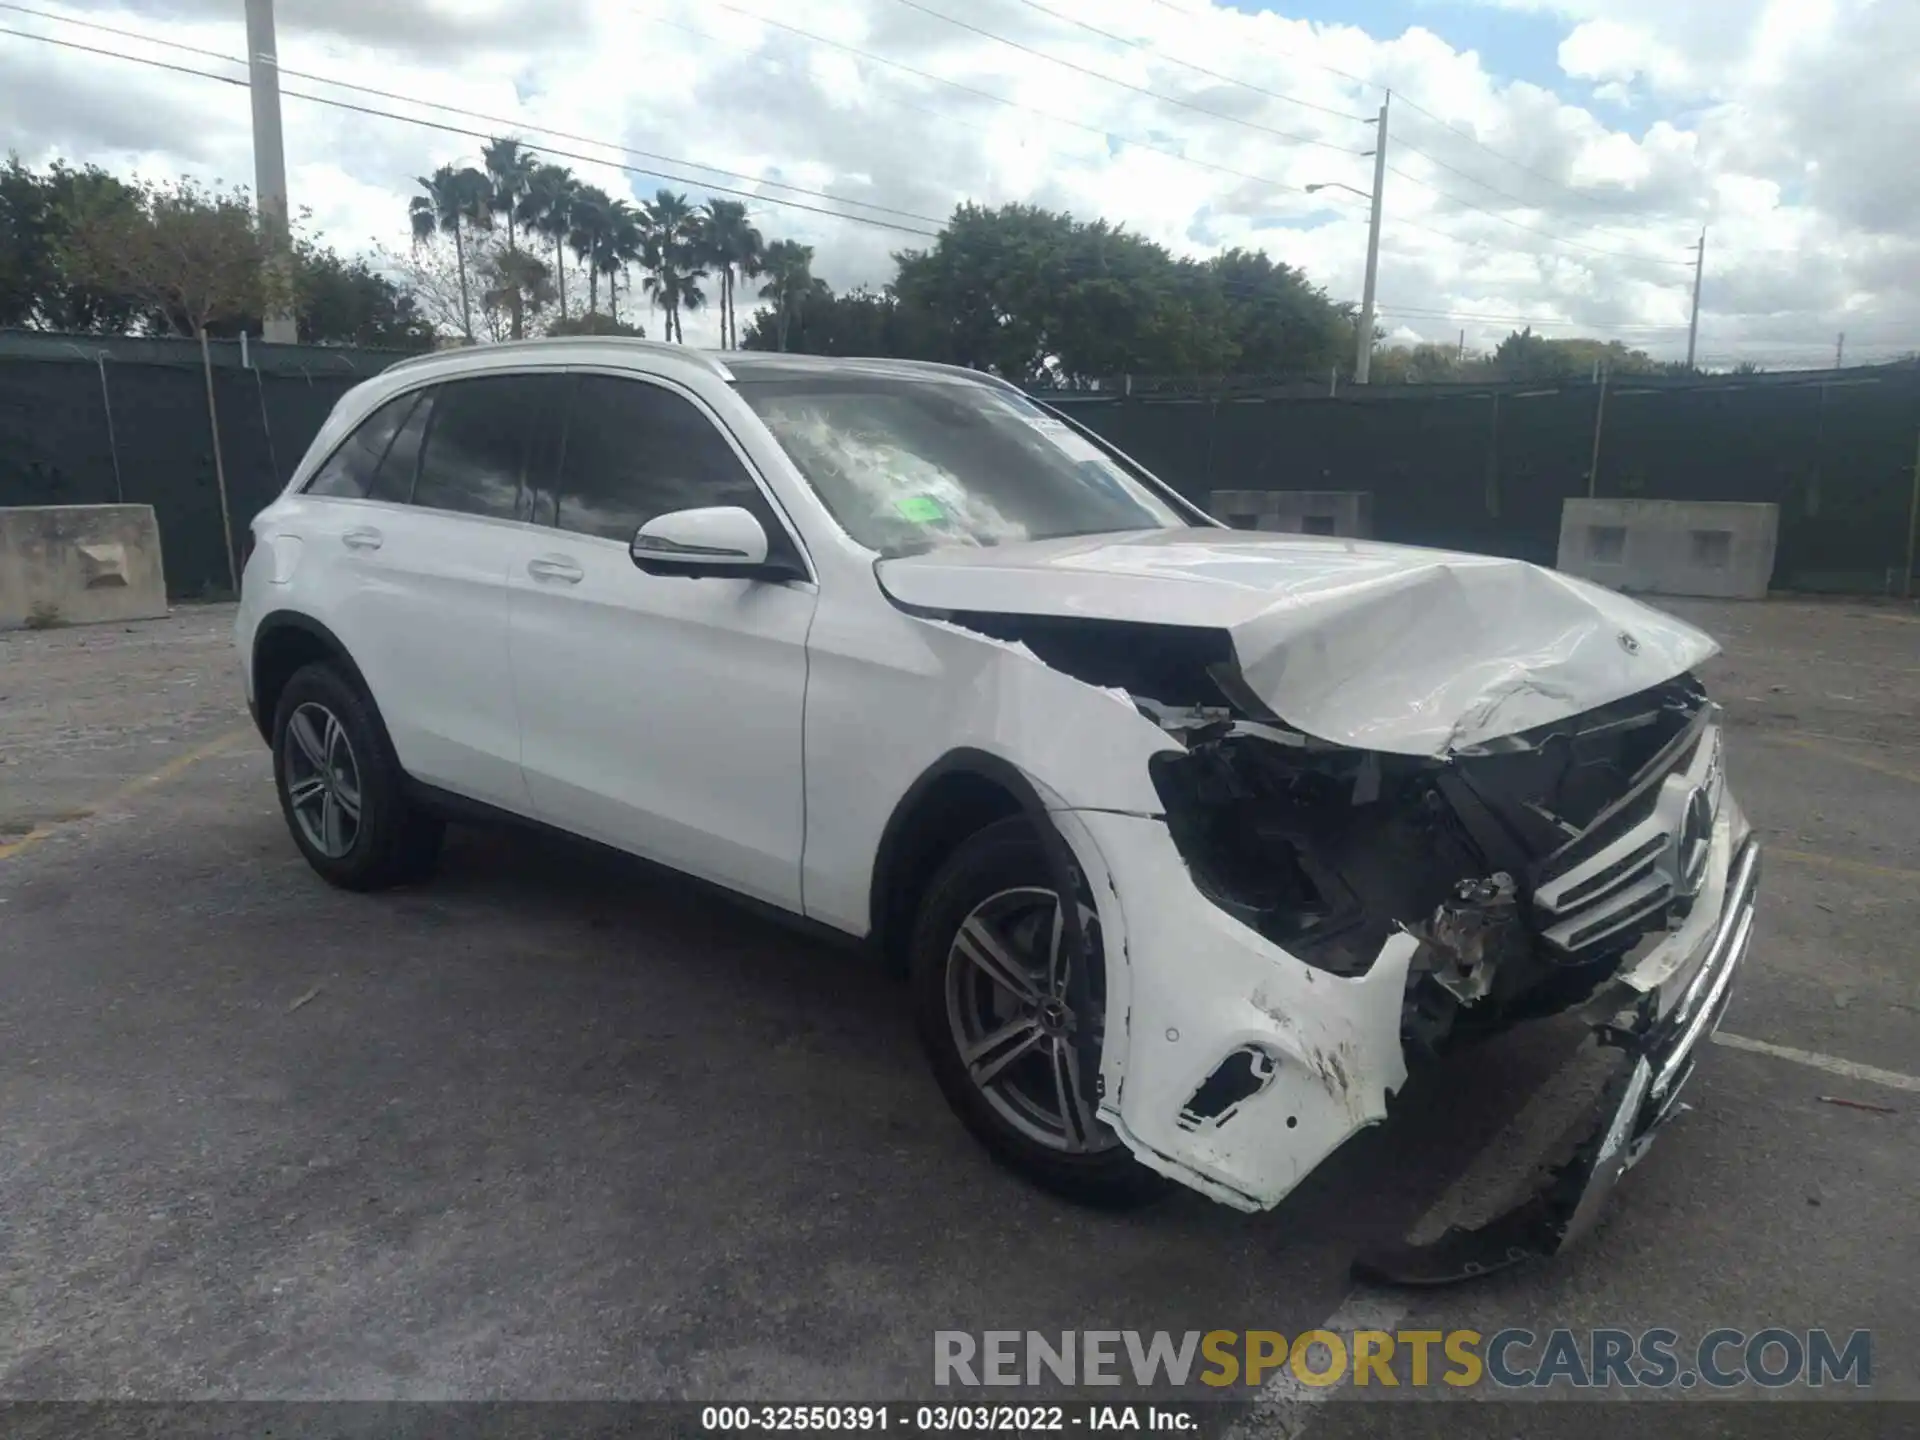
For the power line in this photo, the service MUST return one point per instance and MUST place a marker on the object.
(1623, 327)
(1503, 194)
(476, 134)
(1198, 69)
(1182, 10)
(469, 114)
(1100, 131)
(971, 28)
(1473, 139)
(1531, 229)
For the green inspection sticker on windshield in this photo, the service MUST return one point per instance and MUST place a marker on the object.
(921, 509)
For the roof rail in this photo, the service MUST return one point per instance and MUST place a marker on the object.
(703, 358)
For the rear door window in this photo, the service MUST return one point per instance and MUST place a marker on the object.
(485, 443)
(351, 470)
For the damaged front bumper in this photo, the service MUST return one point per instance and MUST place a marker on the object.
(1658, 1038)
(1235, 1068)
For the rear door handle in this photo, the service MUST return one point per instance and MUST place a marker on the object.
(361, 539)
(556, 567)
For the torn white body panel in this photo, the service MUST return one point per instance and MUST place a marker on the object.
(1188, 987)
(1379, 647)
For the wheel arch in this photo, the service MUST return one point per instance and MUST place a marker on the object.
(957, 796)
(283, 642)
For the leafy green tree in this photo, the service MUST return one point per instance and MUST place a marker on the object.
(37, 288)
(190, 256)
(347, 302)
(1279, 323)
(594, 323)
(1040, 297)
(1424, 364)
(1524, 355)
(456, 202)
(731, 245)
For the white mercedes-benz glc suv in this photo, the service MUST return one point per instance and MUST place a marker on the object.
(1190, 841)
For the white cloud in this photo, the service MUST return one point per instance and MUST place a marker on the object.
(1784, 126)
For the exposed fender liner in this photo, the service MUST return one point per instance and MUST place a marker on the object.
(967, 760)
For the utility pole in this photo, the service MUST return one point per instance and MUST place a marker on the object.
(270, 169)
(1363, 358)
(1840, 351)
(1699, 270)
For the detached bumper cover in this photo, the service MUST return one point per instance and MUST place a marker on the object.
(1659, 1039)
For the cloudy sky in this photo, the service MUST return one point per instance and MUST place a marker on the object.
(1550, 161)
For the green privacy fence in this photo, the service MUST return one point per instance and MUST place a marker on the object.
(1486, 468)
(87, 421)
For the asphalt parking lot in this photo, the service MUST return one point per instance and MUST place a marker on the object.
(554, 1127)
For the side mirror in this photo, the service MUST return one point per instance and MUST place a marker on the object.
(712, 540)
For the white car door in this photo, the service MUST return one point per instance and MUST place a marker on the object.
(660, 713)
(420, 578)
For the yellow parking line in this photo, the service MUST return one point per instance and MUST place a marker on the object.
(1834, 862)
(174, 767)
(1834, 752)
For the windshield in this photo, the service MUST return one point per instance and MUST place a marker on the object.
(906, 464)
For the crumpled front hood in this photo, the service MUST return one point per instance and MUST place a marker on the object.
(1381, 647)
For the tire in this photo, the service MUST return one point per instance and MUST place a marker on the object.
(340, 786)
(1018, 1099)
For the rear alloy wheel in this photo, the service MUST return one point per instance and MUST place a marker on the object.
(323, 780)
(340, 786)
(1013, 1033)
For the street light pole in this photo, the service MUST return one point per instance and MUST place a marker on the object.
(270, 169)
(1363, 356)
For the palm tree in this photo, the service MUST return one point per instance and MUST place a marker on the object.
(789, 271)
(674, 258)
(510, 167)
(547, 210)
(622, 242)
(731, 244)
(455, 201)
(589, 219)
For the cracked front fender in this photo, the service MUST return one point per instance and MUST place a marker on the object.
(1310, 1057)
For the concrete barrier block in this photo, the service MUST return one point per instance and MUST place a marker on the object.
(1297, 512)
(79, 564)
(1711, 548)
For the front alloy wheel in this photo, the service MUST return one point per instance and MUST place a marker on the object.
(1013, 1019)
(1013, 1023)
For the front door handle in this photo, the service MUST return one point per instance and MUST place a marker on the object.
(365, 539)
(557, 568)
